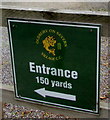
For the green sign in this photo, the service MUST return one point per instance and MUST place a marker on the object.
(56, 63)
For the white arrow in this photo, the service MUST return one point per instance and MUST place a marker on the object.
(45, 93)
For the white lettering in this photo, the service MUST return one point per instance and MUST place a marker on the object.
(53, 83)
(32, 67)
(43, 67)
(52, 71)
(38, 69)
(48, 68)
(60, 72)
(67, 73)
(74, 74)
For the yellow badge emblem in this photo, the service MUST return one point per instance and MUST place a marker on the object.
(49, 42)
(52, 43)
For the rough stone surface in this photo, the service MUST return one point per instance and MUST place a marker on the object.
(49, 15)
(6, 59)
(95, 6)
(104, 69)
(15, 111)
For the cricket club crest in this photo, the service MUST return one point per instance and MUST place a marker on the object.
(53, 44)
(49, 42)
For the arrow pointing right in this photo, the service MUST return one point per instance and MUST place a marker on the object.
(45, 93)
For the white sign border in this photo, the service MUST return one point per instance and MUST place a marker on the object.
(88, 25)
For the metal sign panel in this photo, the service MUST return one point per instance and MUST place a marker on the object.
(56, 63)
